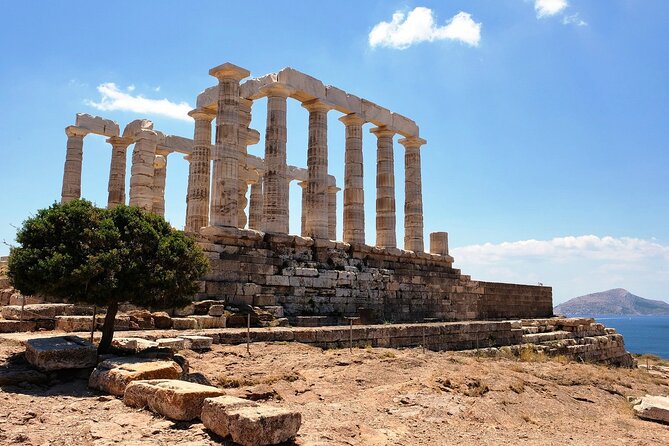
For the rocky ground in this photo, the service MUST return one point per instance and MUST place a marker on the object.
(367, 397)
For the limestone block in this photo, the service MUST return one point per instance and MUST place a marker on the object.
(136, 126)
(217, 310)
(161, 320)
(653, 408)
(255, 88)
(17, 326)
(173, 143)
(305, 86)
(176, 344)
(209, 321)
(74, 323)
(34, 312)
(261, 300)
(97, 125)
(177, 400)
(142, 318)
(184, 323)
(376, 114)
(61, 352)
(19, 299)
(113, 375)
(306, 272)
(248, 423)
(120, 322)
(136, 344)
(188, 310)
(197, 342)
(404, 126)
(207, 98)
(342, 101)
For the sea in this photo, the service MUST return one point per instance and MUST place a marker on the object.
(643, 334)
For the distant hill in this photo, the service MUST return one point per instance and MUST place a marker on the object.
(616, 302)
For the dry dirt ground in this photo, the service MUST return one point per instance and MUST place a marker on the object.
(367, 397)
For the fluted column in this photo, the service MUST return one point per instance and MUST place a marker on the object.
(116, 186)
(247, 137)
(413, 193)
(256, 206)
(199, 177)
(142, 170)
(354, 195)
(385, 188)
(225, 185)
(73, 159)
(317, 169)
(332, 212)
(275, 183)
(159, 177)
(303, 215)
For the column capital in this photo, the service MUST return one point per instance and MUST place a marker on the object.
(352, 119)
(333, 189)
(160, 161)
(229, 71)
(74, 131)
(316, 105)
(382, 131)
(412, 142)
(119, 142)
(277, 90)
(303, 184)
(202, 114)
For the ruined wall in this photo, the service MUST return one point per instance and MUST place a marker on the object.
(337, 280)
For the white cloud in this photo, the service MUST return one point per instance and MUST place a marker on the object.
(419, 26)
(546, 8)
(114, 98)
(574, 19)
(573, 265)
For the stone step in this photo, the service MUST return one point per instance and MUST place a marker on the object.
(538, 338)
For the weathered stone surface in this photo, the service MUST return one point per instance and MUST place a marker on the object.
(74, 323)
(217, 310)
(34, 311)
(17, 326)
(61, 352)
(249, 424)
(136, 344)
(142, 318)
(188, 310)
(184, 323)
(653, 408)
(209, 321)
(97, 125)
(197, 342)
(113, 375)
(177, 400)
(176, 344)
(161, 320)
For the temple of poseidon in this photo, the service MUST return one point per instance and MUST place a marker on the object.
(254, 260)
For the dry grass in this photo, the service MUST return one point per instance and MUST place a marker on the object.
(236, 382)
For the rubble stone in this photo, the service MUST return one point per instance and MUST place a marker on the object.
(176, 344)
(113, 375)
(197, 342)
(653, 408)
(61, 352)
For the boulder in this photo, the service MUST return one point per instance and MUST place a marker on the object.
(34, 312)
(653, 408)
(136, 344)
(142, 318)
(61, 352)
(188, 310)
(248, 423)
(177, 400)
(121, 323)
(74, 323)
(202, 307)
(176, 344)
(217, 310)
(114, 375)
(184, 323)
(197, 342)
(161, 320)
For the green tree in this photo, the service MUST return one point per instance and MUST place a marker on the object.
(83, 254)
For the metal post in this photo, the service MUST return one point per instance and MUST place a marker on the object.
(423, 339)
(350, 338)
(95, 310)
(248, 334)
(23, 303)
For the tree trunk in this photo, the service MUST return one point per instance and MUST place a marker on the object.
(108, 328)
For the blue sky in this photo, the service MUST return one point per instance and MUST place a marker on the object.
(546, 120)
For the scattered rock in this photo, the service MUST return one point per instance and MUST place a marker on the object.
(217, 310)
(197, 342)
(184, 323)
(16, 326)
(248, 423)
(177, 400)
(653, 408)
(136, 344)
(142, 318)
(61, 352)
(13, 377)
(34, 312)
(204, 322)
(188, 310)
(161, 320)
(74, 323)
(114, 375)
(176, 344)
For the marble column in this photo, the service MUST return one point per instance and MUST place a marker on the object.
(116, 187)
(303, 218)
(142, 170)
(413, 193)
(354, 195)
(199, 172)
(439, 243)
(224, 209)
(332, 212)
(159, 177)
(256, 206)
(247, 137)
(275, 182)
(73, 159)
(317, 170)
(385, 188)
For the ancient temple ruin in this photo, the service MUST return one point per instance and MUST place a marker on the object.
(254, 259)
